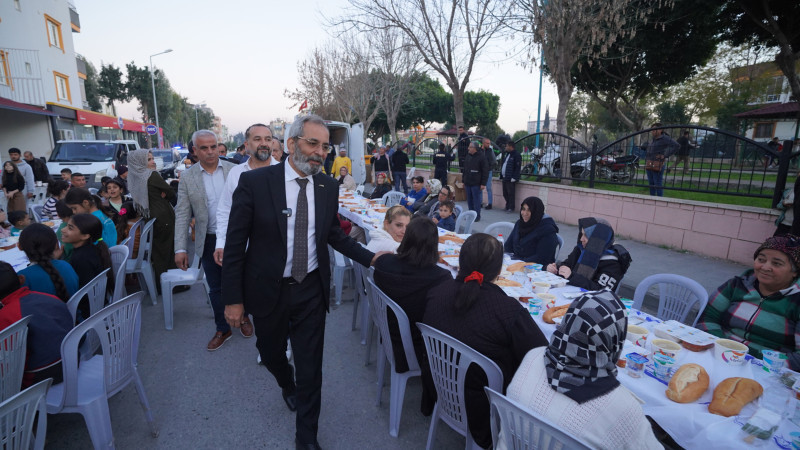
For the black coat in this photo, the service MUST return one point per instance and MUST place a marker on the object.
(476, 170)
(514, 166)
(399, 161)
(608, 274)
(441, 160)
(498, 327)
(380, 163)
(538, 246)
(256, 252)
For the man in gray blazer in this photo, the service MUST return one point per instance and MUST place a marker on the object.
(198, 194)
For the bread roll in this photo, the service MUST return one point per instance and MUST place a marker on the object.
(450, 237)
(517, 266)
(506, 283)
(688, 384)
(696, 348)
(733, 394)
(554, 312)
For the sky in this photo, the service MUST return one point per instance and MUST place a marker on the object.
(239, 56)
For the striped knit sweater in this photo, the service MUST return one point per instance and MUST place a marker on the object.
(738, 311)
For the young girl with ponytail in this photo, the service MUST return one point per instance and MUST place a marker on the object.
(478, 313)
(90, 254)
(81, 201)
(45, 274)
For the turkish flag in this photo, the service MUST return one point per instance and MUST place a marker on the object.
(304, 105)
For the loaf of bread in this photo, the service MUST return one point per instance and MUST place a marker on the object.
(554, 312)
(506, 283)
(517, 266)
(696, 348)
(732, 395)
(450, 237)
(688, 384)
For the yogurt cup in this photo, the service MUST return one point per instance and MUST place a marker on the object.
(773, 361)
(730, 352)
(548, 300)
(664, 366)
(635, 364)
(637, 335)
(666, 347)
(530, 268)
(540, 287)
(534, 306)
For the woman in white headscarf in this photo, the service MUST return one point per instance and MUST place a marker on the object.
(152, 195)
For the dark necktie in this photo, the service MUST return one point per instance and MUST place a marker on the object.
(300, 252)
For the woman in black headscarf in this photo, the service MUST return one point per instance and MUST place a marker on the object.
(534, 236)
(596, 262)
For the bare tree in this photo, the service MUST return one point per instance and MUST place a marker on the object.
(315, 85)
(448, 34)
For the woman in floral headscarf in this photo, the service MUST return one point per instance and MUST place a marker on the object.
(152, 195)
(573, 381)
(761, 307)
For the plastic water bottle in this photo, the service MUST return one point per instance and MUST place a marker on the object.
(502, 241)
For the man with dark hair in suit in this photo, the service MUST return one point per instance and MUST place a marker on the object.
(282, 219)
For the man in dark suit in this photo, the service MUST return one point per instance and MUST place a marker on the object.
(283, 218)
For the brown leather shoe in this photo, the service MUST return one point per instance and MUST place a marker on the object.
(218, 339)
(246, 328)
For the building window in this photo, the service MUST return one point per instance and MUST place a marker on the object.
(54, 32)
(774, 89)
(5, 73)
(763, 130)
(62, 87)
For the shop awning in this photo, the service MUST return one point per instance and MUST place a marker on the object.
(23, 107)
(103, 120)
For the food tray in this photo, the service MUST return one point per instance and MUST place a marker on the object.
(547, 277)
(672, 329)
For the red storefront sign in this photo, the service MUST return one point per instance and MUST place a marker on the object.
(102, 120)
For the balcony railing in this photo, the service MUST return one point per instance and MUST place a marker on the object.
(24, 83)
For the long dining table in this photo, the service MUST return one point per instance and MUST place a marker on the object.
(689, 424)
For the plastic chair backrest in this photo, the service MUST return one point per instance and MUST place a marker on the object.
(130, 241)
(677, 296)
(392, 198)
(498, 228)
(146, 242)
(523, 429)
(119, 256)
(117, 326)
(13, 348)
(381, 301)
(449, 359)
(464, 222)
(18, 415)
(560, 246)
(360, 189)
(36, 213)
(95, 290)
(93, 191)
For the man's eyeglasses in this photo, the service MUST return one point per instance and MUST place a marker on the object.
(316, 144)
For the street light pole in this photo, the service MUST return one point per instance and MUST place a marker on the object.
(196, 120)
(155, 102)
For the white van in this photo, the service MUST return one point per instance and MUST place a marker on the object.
(94, 159)
(352, 137)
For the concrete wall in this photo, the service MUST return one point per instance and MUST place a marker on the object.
(26, 132)
(721, 231)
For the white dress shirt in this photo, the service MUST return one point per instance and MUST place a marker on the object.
(214, 183)
(292, 190)
(226, 199)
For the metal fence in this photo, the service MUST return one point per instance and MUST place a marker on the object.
(717, 161)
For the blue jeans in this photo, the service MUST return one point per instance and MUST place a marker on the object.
(656, 180)
(214, 277)
(489, 190)
(398, 177)
(474, 198)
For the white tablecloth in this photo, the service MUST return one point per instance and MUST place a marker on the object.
(15, 257)
(690, 424)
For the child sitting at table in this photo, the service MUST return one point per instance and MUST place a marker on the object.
(5, 227)
(19, 220)
(50, 322)
(90, 255)
(64, 213)
(444, 218)
(46, 273)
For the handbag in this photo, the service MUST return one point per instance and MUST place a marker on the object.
(655, 164)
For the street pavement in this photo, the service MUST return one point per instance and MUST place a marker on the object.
(223, 399)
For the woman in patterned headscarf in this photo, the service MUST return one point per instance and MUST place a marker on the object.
(761, 307)
(152, 195)
(573, 381)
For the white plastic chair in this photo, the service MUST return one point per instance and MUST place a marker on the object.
(360, 189)
(18, 415)
(449, 359)
(342, 266)
(87, 388)
(95, 290)
(677, 296)
(177, 277)
(498, 228)
(464, 222)
(360, 292)
(140, 264)
(93, 191)
(560, 246)
(523, 429)
(381, 301)
(119, 257)
(392, 198)
(367, 319)
(13, 348)
(35, 211)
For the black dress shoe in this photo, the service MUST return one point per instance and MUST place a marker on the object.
(489, 206)
(290, 397)
(314, 446)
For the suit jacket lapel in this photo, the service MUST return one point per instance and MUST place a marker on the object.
(320, 200)
(277, 187)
